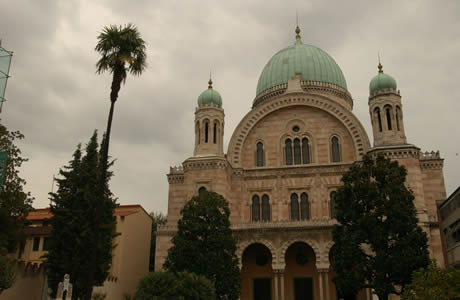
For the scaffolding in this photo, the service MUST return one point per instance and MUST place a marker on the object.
(5, 62)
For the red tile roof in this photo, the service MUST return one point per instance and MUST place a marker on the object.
(44, 213)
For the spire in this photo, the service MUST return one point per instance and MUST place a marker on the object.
(210, 81)
(380, 65)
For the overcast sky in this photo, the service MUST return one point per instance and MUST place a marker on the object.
(56, 99)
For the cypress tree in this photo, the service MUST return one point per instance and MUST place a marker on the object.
(83, 225)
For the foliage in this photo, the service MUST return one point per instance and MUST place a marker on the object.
(7, 274)
(83, 224)
(14, 202)
(174, 286)
(377, 242)
(204, 244)
(157, 219)
(433, 283)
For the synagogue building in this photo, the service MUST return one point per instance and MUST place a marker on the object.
(283, 166)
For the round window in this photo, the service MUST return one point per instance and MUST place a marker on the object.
(295, 128)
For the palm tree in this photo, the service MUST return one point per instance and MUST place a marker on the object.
(122, 50)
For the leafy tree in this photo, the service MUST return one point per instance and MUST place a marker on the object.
(204, 244)
(14, 203)
(157, 219)
(174, 286)
(122, 50)
(433, 283)
(378, 242)
(83, 224)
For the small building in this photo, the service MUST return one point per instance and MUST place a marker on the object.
(450, 226)
(130, 261)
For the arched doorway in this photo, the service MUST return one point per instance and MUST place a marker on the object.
(300, 274)
(257, 273)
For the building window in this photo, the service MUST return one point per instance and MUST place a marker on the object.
(305, 151)
(297, 158)
(214, 132)
(255, 208)
(201, 190)
(388, 112)
(304, 207)
(332, 200)
(46, 243)
(265, 208)
(398, 115)
(294, 207)
(198, 132)
(288, 151)
(36, 244)
(298, 154)
(260, 154)
(22, 246)
(206, 132)
(335, 149)
(379, 118)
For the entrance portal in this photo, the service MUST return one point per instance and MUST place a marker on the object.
(303, 289)
(262, 289)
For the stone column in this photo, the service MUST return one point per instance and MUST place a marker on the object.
(324, 289)
(282, 284)
(275, 275)
(320, 276)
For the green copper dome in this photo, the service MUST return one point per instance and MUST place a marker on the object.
(313, 63)
(382, 82)
(210, 97)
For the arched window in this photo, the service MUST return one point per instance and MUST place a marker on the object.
(335, 149)
(255, 208)
(265, 208)
(206, 132)
(304, 207)
(294, 207)
(305, 151)
(388, 112)
(201, 190)
(288, 150)
(398, 115)
(198, 132)
(215, 133)
(332, 204)
(297, 159)
(379, 118)
(260, 154)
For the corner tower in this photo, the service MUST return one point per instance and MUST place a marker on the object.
(385, 109)
(209, 124)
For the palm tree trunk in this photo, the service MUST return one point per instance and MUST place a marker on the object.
(116, 84)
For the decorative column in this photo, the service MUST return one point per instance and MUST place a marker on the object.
(276, 276)
(320, 285)
(324, 292)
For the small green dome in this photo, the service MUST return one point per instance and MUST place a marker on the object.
(382, 82)
(313, 63)
(210, 97)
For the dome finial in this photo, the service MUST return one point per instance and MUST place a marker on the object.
(297, 30)
(380, 65)
(210, 80)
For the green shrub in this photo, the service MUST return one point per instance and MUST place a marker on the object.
(170, 286)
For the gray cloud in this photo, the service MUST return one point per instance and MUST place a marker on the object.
(57, 100)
